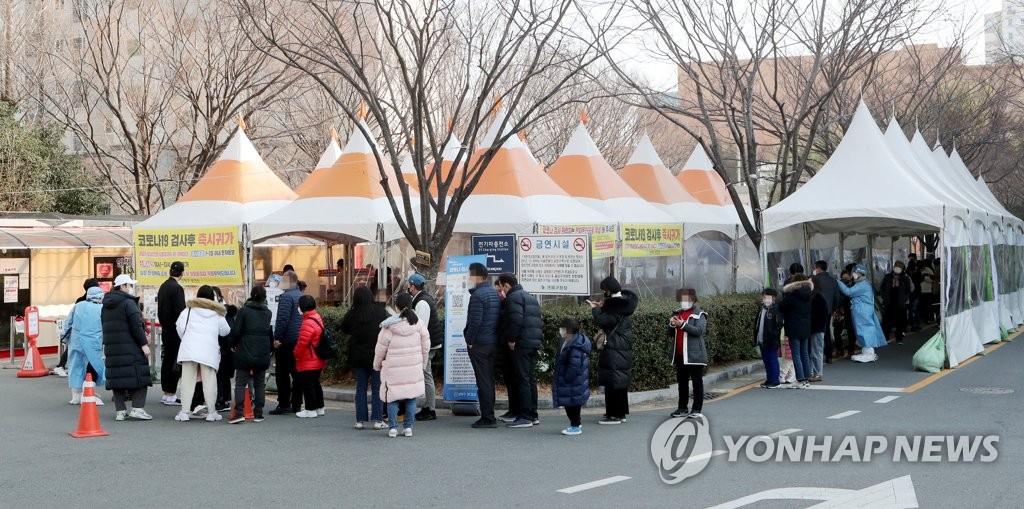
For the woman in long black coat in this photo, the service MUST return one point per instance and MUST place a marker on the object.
(362, 324)
(615, 360)
(127, 349)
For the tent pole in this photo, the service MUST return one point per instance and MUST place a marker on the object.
(842, 252)
(617, 270)
(735, 259)
(807, 246)
(871, 260)
(682, 258)
(249, 278)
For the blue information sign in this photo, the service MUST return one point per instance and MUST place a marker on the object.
(500, 251)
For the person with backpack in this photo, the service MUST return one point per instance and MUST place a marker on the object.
(200, 327)
(252, 339)
(309, 365)
(570, 384)
(403, 347)
(362, 325)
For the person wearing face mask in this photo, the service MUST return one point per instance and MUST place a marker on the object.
(862, 304)
(614, 315)
(842, 318)
(426, 310)
(227, 358)
(481, 339)
(523, 331)
(896, 290)
(826, 299)
(126, 348)
(689, 353)
(570, 383)
(767, 331)
(796, 311)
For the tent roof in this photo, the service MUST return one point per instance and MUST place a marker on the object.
(585, 175)
(331, 154)
(828, 204)
(923, 172)
(648, 176)
(238, 189)
(981, 189)
(700, 179)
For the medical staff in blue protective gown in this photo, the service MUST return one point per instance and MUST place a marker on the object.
(862, 304)
(85, 347)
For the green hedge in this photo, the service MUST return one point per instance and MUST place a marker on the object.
(729, 338)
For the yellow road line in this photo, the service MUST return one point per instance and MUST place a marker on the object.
(735, 391)
(940, 374)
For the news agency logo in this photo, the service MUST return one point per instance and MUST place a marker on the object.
(682, 448)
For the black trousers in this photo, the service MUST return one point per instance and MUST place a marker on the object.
(616, 402)
(312, 391)
(829, 347)
(506, 364)
(525, 360)
(224, 385)
(573, 413)
(482, 358)
(289, 393)
(684, 374)
(258, 381)
(169, 372)
(894, 317)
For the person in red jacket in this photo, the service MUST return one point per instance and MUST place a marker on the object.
(307, 364)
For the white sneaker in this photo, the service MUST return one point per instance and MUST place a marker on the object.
(359, 425)
(306, 414)
(140, 414)
(99, 402)
(76, 397)
(170, 400)
(61, 372)
(182, 416)
(321, 411)
(200, 411)
(408, 432)
(213, 417)
(379, 425)
(392, 433)
(121, 415)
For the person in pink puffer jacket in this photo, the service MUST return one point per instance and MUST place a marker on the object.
(402, 349)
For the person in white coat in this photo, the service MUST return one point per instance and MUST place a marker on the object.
(200, 327)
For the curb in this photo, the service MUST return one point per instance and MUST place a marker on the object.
(596, 398)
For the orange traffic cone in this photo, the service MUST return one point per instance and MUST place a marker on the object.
(89, 417)
(33, 365)
(247, 406)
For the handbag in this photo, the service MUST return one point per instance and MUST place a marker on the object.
(601, 338)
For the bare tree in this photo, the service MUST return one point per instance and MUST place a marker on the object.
(418, 65)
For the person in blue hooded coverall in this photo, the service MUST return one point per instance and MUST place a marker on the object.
(862, 304)
(86, 345)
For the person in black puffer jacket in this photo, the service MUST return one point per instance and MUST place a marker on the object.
(126, 348)
(226, 369)
(615, 360)
(252, 340)
(796, 311)
(523, 331)
(362, 325)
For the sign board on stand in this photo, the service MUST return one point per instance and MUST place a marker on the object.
(554, 264)
(500, 251)
(643, 240)
(31, 323)
(459, 380)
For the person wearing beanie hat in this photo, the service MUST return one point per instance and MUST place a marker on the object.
(862, 305)
(85, 348)
(614, 316)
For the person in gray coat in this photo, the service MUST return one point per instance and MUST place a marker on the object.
(689, 353)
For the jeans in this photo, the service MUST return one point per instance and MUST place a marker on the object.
(482, 358)
(410, 412)
(801, 357)
(817, 350)
(525, 361)
(616, 402)
(312, 391)
(684, 374)
(364, 376)
(770, 357)
(573, 413)
(429, 389)
(257, 380)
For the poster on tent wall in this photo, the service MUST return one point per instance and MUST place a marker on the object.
(643, 240)
(554, 264)
(459, 380)
(602, 237)
(211, 255)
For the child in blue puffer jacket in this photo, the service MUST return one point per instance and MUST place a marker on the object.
(570, 385)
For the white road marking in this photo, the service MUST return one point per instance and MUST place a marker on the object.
(860, 388)
(887, 399)
(785, 432)
(895, 494)
(594, 484)
(845, 414)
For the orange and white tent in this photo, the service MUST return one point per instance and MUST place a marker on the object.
(514, 194)
(327, 159)
(583, 172)
(340, 203)
(238, 189)
(651, 179)
(700, 179)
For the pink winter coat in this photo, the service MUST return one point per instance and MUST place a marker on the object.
(400, 355)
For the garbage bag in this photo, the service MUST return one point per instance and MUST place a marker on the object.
(931, 358)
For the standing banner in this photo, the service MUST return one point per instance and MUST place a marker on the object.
(554, 264)
(500, 251)
(602, 237)
(643, 240)
(211, 255)
(459, 380)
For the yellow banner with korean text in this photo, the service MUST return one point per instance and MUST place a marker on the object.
(602, 237)
(641, 240)
(211, 255)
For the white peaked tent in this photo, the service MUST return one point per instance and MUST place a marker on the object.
(582, 172)
(331, 154)
(340, 203)
(238, 189)
(846, 197)
(515, 196)
(699, 178)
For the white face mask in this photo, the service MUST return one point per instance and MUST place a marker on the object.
(897, 270)
(129, 289)
(561, 332)
(768, 301)
(685, 305)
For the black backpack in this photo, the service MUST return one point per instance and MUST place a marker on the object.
(325, 349)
